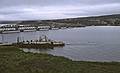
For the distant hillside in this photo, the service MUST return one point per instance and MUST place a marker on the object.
(98, 20)
(84, 21)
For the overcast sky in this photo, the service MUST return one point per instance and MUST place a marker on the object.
(56, 9)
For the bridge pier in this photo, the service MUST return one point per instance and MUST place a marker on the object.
(21, 30)
(1, 32)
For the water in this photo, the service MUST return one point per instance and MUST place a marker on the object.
(95, 43)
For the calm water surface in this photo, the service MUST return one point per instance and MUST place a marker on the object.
(101, 43)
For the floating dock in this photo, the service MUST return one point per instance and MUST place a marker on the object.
(43, 42)
(50, 45)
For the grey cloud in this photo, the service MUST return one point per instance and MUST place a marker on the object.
(4, 3)
(97, 10)
(54, 9)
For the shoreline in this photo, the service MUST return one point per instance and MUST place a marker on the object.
(18, 31)
(13, 60)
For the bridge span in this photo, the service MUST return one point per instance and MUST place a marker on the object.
(21, 28)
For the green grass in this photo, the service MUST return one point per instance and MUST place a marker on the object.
(12, 60)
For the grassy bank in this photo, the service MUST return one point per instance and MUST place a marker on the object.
(12, 60)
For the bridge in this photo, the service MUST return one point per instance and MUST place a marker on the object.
(21, 28)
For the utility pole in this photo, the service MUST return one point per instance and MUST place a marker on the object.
(18, 40)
